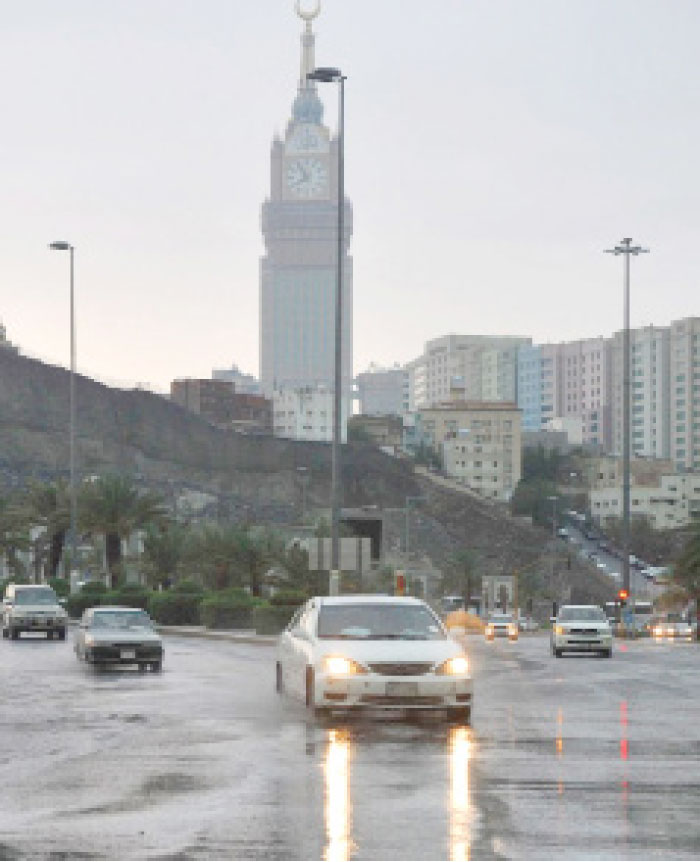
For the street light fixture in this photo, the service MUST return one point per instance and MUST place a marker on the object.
(328, 75)
(627, 249)
(61, 245)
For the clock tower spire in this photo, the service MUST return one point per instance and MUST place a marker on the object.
(308, 61)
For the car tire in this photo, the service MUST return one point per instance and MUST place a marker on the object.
(143, 667)
(557, 652)
(279, 682)
(61, 634)
(49, 635)
(606, 653)
(14, 634)
(5, 633)
(157, 666)
(461, 715)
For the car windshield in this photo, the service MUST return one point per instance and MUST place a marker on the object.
(121, 620)
(379, 622)
(591, 614)
(500, 618)
(44, 596)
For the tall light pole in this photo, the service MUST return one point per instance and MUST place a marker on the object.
(327, 75)
(627, 249)
(553, 499)
(61, 245)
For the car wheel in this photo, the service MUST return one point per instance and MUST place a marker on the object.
(61, 634)
(461, 714)
(157, 666)
(279, 682)
(557, 652)
(5, 633)
(143, 667)
(14, 634)
(607, 653)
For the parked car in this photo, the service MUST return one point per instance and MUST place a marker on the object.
(32, 608)
(372, 652)
(581, 628)
(672, 629)
(116, 635)
(501, 626)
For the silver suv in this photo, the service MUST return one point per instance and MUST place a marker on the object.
(32, 608)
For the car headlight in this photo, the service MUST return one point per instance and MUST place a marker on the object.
(512, 630)
(559, 630)
(456, 666)
(338, 665)
(658, 632)
(488, 630)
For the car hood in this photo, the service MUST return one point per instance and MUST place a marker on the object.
(49, 610)
(390, 650)
(585, 624)
(114, 636)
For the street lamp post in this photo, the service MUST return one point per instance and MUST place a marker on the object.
(627, 249)
(553, 499)
(326, 75)
(60, 245)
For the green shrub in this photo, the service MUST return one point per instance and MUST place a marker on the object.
(131, 588)
(130, 598)
(94, 588)
(289, 597)
(76, 604)
(173, 608)
(188, 585)
(272, 619)
(230, 609)
(61, 586)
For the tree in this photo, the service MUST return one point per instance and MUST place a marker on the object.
(47, 504)
(113, 506)
(163, 551)
(686, 570)
(460, 577)
(14, 536)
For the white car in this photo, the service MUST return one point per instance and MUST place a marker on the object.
(379, 652)
(581, 628)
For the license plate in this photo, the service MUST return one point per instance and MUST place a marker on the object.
(402, 689)
(128, 653)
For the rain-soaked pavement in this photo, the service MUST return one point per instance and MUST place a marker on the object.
(574, 758)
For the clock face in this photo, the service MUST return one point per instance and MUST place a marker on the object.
(307, 177)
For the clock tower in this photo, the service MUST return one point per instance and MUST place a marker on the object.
(300, 230)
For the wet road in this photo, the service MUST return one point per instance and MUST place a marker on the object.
(573, 758)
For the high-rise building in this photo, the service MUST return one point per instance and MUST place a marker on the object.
(685, 394)
(300, 230)
(649, 395)
(382, 391)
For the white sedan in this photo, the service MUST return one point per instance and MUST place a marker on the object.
(380, 652)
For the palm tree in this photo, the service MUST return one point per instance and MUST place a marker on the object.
(214, 556)
(686, 571)
(13, 534)
(163, 551)
(114, 507)
(48, 505)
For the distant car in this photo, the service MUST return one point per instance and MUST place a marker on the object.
(528, 624)
(581, 628)
(374, 652)
(679, 629)
(116, 635)
(563, 533)
(601, 565)
(501, 626)
(32, 608)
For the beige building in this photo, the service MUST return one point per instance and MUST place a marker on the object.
(674, 501)
(685, 393)
(480, 444)
(606, 471)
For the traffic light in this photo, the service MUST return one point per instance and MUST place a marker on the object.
(622, 596)
(399, 583)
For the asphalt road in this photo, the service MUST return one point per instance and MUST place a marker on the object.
(573, 758)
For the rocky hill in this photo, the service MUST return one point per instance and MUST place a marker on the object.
(257, 478)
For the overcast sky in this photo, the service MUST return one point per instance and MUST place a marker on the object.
(494, 148)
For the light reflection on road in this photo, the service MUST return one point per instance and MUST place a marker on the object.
(460, 753)
(337, 802)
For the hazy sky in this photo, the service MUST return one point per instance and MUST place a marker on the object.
(493, 150)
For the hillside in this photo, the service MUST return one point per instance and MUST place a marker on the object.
(255, 478)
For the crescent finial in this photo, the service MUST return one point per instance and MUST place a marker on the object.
(308, 16)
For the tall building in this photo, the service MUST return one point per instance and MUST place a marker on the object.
(300, 230)
(472, 367)
(650, 392)
(685, 394)
(244, 383)
(529, 386)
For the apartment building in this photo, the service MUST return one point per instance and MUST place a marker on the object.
(649, 391)
(484, 365)
(480, 444)
(306, 413)
(674, 501)
(382, 391)
(685, 393)
(529, 386)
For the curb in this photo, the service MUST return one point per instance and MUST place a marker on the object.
(244, 637)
